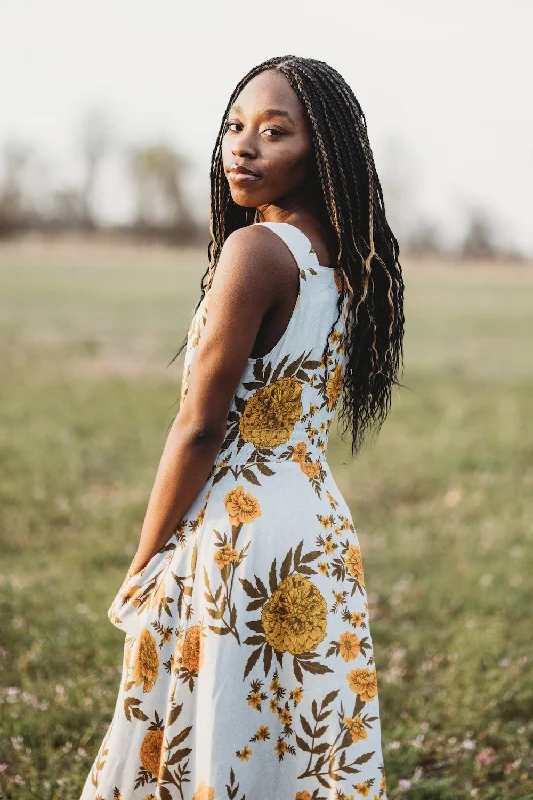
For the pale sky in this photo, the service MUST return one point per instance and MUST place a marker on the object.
(445, 87)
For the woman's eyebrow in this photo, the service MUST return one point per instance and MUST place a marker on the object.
(269, 112)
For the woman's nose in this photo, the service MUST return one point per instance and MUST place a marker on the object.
(243, 147)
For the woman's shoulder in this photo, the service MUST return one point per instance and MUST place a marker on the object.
(256, 248)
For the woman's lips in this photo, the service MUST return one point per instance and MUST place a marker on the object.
(242, 177)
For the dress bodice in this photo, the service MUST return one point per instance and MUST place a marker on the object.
(285, 402)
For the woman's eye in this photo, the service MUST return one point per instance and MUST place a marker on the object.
(272, 132)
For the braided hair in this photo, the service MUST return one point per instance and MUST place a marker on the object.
(352, 212)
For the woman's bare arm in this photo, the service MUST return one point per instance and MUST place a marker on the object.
(246, 284)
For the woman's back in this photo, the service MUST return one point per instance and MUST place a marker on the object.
(285, 402)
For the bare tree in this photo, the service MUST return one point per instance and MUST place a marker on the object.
(14, 202)
(96, 139)
(157, 173)
(480, 237)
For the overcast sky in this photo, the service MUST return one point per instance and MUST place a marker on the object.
(445, 87)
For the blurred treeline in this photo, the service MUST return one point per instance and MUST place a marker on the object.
(156, 174)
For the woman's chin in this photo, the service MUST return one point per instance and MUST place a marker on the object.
(246, 197)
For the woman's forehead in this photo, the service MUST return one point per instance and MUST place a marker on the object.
(268, 91)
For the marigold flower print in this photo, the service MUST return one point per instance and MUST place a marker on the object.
(242, 507)
(145, 667)
(248, 668)
(356, 728)
(271, 413)
(354, 563)
(294, 619)
(151, 751)
(363, 682)
(192, 655)
(334, 386)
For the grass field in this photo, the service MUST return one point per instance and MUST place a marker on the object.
(442, 503)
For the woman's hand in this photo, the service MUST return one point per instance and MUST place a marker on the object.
(138, 563)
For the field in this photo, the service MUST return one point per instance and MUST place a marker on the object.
(442, 503)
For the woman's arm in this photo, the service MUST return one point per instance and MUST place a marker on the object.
(251, 273)
(187, 459)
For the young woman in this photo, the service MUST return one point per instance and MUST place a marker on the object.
(248, 666)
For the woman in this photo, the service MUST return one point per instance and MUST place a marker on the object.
(248, 665)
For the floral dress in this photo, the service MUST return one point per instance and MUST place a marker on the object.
(248, 668)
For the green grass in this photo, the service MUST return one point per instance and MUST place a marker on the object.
(441, 501)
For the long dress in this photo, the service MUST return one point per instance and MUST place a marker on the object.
(248, 667)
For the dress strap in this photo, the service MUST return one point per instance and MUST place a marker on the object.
(297, 242)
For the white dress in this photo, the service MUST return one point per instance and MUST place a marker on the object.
(248, 667)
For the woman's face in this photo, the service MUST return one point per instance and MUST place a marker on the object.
(268, 133)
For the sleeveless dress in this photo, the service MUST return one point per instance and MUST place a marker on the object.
(248, 667)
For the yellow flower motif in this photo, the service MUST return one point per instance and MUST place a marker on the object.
(331, 499)
(356, 727)
(329, 547)
(303, 796)
(254, 699)
(323, 567)
(225, 555)
(280, 747)
(193, 649)
(274, 684)
(349, 646)
(151, 751)
(271, 413)
(297, 694)
(337, 531)
(312, 408)
(200, 516)
(334, 386)
(339, 597)
(363, 682)
(167, 634)
(354, 563)
(245, 753)
(325, 521)
(285, 716)
(346, 524)
(311, 433)
(299, 451)
(274, 705)
(204, 792)
(294, 618)
(356, 619)
(241, 507)
(383, 784)
(311, 469)
(145, 668)
(262, 732)
(363, 788)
